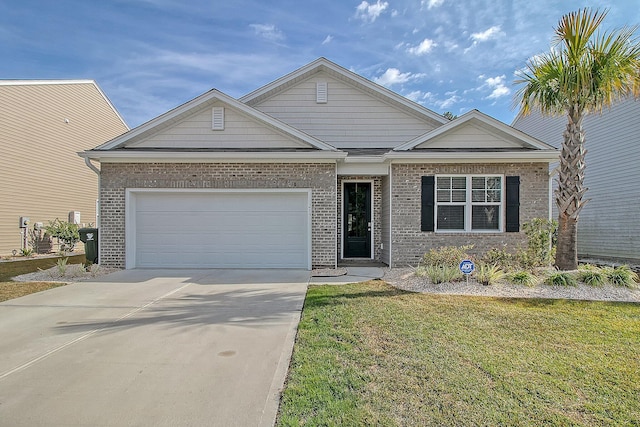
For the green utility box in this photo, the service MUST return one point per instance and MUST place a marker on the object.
(89, 237)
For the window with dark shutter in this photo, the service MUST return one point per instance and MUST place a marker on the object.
(512, 204)
(427, 203)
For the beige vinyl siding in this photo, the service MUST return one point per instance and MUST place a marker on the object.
(240, 131)
(351, 118)
(609, 225)
(467, 136)
(41, 175)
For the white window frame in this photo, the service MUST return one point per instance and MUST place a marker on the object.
(469, 204)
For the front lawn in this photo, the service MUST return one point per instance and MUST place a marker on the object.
(11, 290)
(369, 354)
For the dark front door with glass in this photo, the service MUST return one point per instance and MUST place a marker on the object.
(357, 220)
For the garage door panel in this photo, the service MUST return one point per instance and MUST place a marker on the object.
(220, 229)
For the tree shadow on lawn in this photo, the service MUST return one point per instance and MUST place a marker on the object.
(332, 295)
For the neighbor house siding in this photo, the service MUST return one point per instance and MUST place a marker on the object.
(117, 177)
(44, 126)
(409, 243)
(351, 118)
(609, 226)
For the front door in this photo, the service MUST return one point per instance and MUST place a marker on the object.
(357, 220)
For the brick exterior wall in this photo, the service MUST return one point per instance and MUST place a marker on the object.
(115, 178)
(376, 197)
(409, 243)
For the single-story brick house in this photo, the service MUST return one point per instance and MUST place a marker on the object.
(320, 166)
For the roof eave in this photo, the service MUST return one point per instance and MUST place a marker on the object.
(110, 156)
(545, 156)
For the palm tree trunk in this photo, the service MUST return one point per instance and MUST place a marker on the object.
(570, 191)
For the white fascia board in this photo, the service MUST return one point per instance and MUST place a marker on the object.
(546, 156)
(378, 168)
(28, 82)
(106, 156)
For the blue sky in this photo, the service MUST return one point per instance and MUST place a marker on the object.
(149, 56)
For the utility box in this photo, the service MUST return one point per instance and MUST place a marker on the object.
(89, 236)
(74, 217)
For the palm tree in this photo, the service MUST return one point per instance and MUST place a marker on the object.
(585, 71)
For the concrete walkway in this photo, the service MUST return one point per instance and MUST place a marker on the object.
(151, 348)
(354, 275)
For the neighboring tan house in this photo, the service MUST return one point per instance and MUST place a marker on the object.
(43, 124)
(320, 166)
(609, 225)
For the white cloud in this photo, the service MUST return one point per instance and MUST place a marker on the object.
(328, 39)
(392, 76)
(268, 31)
(414, 96)
(497, 86)
(423, 48)
(370, 12)
(432, 3)
(491, 33)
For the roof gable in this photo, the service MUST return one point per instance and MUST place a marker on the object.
(475, 131)
(343, 115)
(190, 126)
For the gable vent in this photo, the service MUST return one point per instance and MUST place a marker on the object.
(321, 92)
(217, 118)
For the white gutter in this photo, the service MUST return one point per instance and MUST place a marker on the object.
(109, 156)
(90, 165)
(472, 157)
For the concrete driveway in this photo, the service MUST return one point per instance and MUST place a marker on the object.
(151, 348)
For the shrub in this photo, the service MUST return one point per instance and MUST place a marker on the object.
(489, 274)
(540, 251)
(499, 257)
(561, 278)
(442, 273)
(621, 276)
(27, 252)
(65, 232)
(523, 278)
(447, 255)
(591, 275)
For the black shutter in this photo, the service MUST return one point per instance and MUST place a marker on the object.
(427, 204)
(513, 204)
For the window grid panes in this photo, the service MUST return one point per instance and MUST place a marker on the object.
(468, 203)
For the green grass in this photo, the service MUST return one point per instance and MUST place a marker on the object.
(370, 354)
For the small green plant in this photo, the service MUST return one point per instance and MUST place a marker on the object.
(65, 232)
(499, 257)
(523, 278)
(447, 255)
(489, 274)
(621, 276)
(26, 252)
(61, 264)
(561, 278)
(540, 251)
(591, 275)
(442, 273)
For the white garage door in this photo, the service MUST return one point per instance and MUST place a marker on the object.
(218, 229)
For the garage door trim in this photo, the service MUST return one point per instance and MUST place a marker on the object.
(130, 213)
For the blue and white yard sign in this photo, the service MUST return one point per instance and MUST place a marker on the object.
(467, 266)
